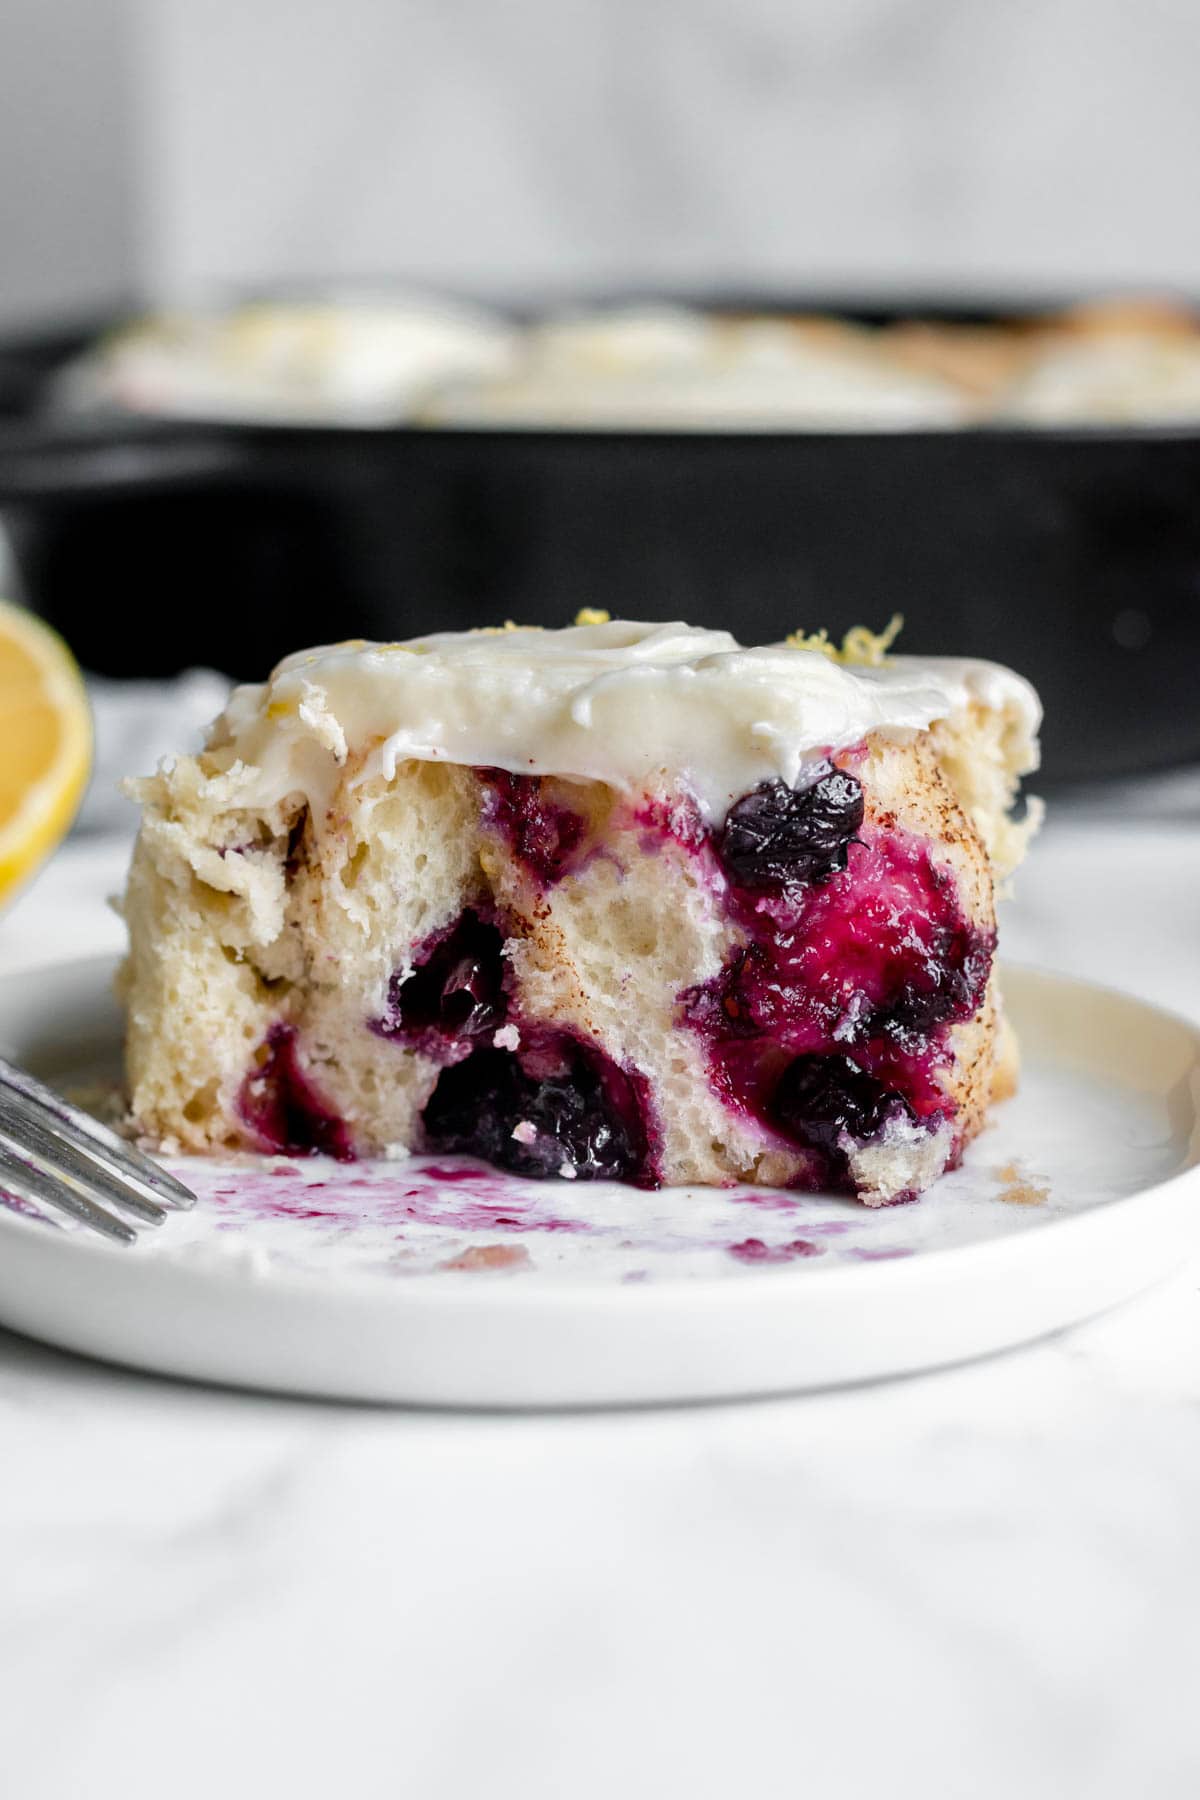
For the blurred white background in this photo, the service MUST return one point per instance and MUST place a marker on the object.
(71, 183)
(170, 146)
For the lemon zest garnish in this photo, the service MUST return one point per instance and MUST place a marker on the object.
(861, 647)
(812, 640)
(499, 630)
(869, 648)
(593, 615)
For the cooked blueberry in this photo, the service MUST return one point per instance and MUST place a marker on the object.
(542, 835)
(729, 1007)
(281, 1104)
(875, 967)
(947, 988)
(558, 1106)
(458, 988)
(820, 1099)
(779, 835)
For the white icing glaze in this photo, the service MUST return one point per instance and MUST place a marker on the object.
(633, 705)
(653, 367)
(348, 361)
(1111, 377)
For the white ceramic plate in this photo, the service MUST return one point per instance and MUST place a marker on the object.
(446, 1283)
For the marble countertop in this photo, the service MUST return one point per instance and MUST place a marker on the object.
(982, 1581)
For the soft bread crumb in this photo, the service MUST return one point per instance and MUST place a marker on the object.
(983, 753)
(482, 1257)
(1019, 1189)
(243, 920)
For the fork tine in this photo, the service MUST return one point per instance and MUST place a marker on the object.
(91, 1162)
(25, 1133)
(36, 1190)
(87, 1133)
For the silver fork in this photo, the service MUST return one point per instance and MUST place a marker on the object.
(53, 1154)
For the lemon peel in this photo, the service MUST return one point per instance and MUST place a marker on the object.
(45, 743)
(861, 647)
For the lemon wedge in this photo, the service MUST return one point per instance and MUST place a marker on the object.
(45, 743)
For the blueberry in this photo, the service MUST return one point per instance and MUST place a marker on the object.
(570, 1107)
(738, 1003)
(457, 990)
(947, 988)
(541, 834)
(282, 1106)
(778, 836)
(820, 1099)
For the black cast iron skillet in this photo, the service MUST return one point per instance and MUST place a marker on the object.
(1073, 555)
